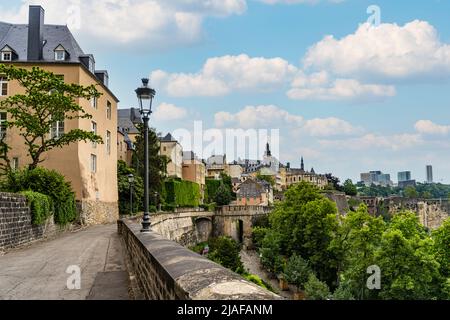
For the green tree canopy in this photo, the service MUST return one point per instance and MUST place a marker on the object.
(349, 188)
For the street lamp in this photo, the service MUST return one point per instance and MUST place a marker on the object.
(145, 96)
(131, 181)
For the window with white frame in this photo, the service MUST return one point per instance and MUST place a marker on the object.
(3, 86)
(3, 118)
(57, 130)
(93, 163)
(108, 110)
(108, 142)
(94, 131)
(15, 164)
(6, 56)
(60, 55)
(94, 102)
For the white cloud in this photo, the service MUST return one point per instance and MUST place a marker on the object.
(372, 141)
(150, 23)
(329, 127)
(221, 75)
(320, 86)
(431, 128)
(269, 116)
(169, 112)
(273, 117)
(387, 52)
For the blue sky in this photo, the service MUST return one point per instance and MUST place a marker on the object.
(367, 98)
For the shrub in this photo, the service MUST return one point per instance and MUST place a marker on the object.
(39, 205)
(316, 289)
(124, 189)
(50, 183)
(258, 236)
(297, 271)
(211, 189)
(182, 193)
(225, 251)
(223, 196)
(257, 280)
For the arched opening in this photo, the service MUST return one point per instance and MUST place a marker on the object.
(240, 231)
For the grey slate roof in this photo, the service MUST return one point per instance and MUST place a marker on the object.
(168, 138)
(127, 120)
(16, 36)
(253, 188)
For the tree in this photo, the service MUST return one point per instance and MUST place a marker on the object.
(223, 196)
(409, 266)
(124, 189)
(305, 223)
(334, 182)
(350, 188)
(297, 271)
(46, 100)
(357, 239)
(157, 164)
(226, 251)
(411, 192)
(441, 238)
(316, 289)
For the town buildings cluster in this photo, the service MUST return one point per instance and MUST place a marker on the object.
(245, 174)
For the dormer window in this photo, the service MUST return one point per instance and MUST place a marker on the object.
(60, 53)
(7, 54)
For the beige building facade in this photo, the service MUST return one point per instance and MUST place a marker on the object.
(90, 168)
(174, 152)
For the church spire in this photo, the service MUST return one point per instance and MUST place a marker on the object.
(302, 166)
(268, 152)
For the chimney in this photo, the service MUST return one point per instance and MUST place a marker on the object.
(35, 33)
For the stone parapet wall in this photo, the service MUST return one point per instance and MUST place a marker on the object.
(16, 228)
(97, 212)
(166, 270)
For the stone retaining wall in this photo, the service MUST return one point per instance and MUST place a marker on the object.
(15, 223)
(166, 270)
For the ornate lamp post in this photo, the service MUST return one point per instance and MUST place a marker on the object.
(145, 96)
(131, 181)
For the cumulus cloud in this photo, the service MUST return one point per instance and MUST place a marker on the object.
(269, 116)
(321, 86)
(430, 128)
(152, 23)
(169, 112)
(387, 52)
(221, 75)
(373, 141)
(329, 126)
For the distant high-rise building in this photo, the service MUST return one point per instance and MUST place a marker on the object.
(404, 176)
(429, 174)
(376, 178)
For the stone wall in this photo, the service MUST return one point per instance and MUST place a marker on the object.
(341, 201)
(431, 213)
(166, 270)
(187, 228)
(97, 212)
(15, 223)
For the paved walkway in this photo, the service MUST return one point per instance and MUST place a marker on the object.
(252, 263)
(39, 271)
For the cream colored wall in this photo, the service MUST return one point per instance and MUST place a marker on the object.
(235, 171)
(174, 152)
(73, 161)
